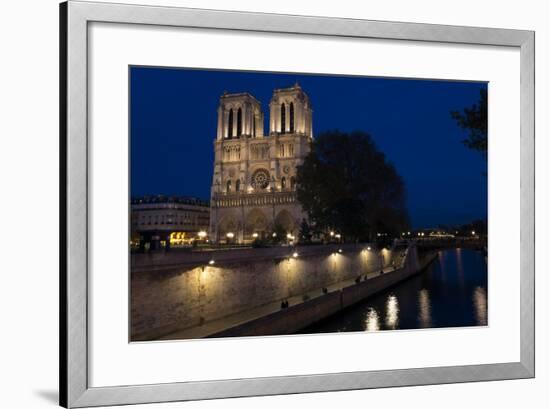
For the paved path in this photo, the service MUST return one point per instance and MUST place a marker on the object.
(230, 321)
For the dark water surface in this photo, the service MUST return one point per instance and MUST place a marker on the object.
(451, 292)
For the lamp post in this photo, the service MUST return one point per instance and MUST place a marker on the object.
(230, 237)
(202, 235)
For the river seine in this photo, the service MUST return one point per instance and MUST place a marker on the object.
(450, 292)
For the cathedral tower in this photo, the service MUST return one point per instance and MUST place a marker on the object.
(239, 115)
(290, 112)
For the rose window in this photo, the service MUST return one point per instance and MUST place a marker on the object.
(260, 179)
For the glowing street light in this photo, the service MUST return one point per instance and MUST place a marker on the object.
(230, 235)
(338, 236)
(289, 236)
(339, 250)
(274, 235)
(473, 233)
(202, 234)
(255, 235)
(295, 254)
(331, 233)
(211, 262)
(368, 248)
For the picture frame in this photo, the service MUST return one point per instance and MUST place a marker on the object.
(75, 389)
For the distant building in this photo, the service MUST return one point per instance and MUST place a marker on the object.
(254, 180)
(168, 221)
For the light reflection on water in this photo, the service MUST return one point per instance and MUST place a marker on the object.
(451, 292)
(480, 304)
(372, 322)
(392, 312)
(425, 310)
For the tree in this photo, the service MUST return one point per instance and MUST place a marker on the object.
(474, 120)
(278, 235)
(305, 232)
(345, 183)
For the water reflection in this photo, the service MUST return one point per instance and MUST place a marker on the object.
(425, 310)
(392, 312)
(372, 322)
(451, 292)
(480, 305)
(460, 267)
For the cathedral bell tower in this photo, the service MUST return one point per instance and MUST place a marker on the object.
(239, 115)
(290, 112)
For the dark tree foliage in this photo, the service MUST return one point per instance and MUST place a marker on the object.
(305, 232)
(278, 235)
(474, 120)
(346, 184)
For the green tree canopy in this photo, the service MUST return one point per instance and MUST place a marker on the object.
(346, 184)
(474, 120)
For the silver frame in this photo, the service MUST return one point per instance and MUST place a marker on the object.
(74, 18)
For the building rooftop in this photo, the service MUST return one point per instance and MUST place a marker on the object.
(295, 87)
(151, 199)
(227, 95)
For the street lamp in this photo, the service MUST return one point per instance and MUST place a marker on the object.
(211, 262)
(255, 235)
(295, 254)
(202, 234)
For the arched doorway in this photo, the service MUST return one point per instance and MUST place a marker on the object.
(256, 222)
(285, 220)
(228, 225)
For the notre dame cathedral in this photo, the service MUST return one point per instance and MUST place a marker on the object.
(254, 181)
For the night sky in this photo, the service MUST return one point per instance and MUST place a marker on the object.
(173, 119)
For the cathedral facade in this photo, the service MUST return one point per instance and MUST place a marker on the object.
(254, 181)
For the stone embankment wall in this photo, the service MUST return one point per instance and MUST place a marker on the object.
(297, 317)
(176, 290)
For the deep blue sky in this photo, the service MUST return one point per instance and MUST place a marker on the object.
(173, 123)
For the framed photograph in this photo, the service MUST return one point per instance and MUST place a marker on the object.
(259, 204)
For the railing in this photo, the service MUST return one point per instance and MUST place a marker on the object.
(255, 199)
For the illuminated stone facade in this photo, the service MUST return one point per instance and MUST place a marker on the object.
(254, 181)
